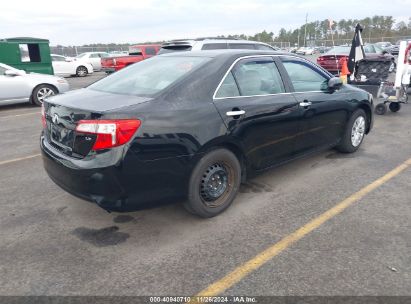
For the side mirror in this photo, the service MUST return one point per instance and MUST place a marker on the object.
(68, 59)
(13, 73)
(335, 83)
(384, 52)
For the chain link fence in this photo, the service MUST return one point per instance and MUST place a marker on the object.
(73, 51)
(340, 41)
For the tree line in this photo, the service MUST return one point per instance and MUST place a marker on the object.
(373, 28)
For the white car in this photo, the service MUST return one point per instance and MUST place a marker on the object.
(93, 58)
(64, 66)
(19, 86)
(305, 51)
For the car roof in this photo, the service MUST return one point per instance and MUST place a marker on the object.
(210, 40)
(225, 53)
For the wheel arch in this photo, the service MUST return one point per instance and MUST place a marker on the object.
(368, 112)
(231, 146)
(40, 84)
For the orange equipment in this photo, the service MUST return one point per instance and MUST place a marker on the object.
(344, 70)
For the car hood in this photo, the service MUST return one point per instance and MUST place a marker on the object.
(96, 101)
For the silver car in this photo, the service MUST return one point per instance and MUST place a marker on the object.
(19, 86)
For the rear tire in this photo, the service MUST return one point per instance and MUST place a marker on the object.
(354, 132)
(394, 106)
(214, 183)
(41, 92)
(81, 71)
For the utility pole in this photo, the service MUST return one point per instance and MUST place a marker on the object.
(305, 28)
(298, 38)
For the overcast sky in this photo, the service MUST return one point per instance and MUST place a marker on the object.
(74, 22)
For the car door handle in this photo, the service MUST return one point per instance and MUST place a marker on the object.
(305, 103)
(235, 113)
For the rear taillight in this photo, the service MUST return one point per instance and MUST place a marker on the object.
(43, 116)
(109, 133)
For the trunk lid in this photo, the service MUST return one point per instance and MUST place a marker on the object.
(63, 112)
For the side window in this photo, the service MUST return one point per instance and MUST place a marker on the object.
(258, 77)
(94, 56)
(303, 77)
(29, 52)
(369, 49)
(214, 46)
(263, 47)
(103, 55)
(243, 46)
(228, 88)
(150, 50)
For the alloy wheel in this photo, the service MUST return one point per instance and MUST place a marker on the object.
(44, 93)
(358, 131)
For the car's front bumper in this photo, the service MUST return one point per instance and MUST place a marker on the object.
(62, 87)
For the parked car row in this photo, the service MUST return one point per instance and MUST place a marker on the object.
(332, 60)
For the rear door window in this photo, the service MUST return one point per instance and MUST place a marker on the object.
(257, 76)
(214, 46)
(228, 88)
(242, 46)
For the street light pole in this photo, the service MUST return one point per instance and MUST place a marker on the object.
(305, 28)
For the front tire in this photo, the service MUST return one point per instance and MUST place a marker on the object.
(41, 92)
(214, 183)
(81, 71)
(354, 132)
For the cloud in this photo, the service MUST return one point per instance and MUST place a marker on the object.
(82, 22)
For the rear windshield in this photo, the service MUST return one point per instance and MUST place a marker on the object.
(174, 48)
(150, 76)
(339, 50)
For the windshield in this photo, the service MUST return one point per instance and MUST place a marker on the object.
(7, 67)
(81, 55)
(175, 48)
(150, 76)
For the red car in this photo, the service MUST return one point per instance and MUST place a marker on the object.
(137, 53)
(332, 60)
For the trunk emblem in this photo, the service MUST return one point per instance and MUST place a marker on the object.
(55, 119)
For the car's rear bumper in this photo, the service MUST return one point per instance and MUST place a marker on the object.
(108, 69)
(119, 184)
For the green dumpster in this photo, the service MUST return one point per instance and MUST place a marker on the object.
(28, 54)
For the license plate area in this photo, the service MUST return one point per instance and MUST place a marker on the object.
(62, 137)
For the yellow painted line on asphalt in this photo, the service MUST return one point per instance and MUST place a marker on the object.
(4, 162)
(18, 115)
(260, 259)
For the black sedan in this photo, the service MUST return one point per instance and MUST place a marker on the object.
(195, 125)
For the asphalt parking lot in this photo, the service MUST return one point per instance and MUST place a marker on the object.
(357, 241)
